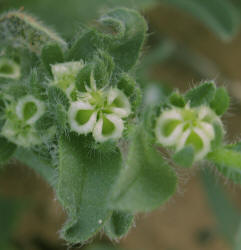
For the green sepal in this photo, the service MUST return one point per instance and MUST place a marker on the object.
(103, 68)
(228, 161)
(220, 103)
(86, 178)
(147, 181)
(131, 89)
(177, 100)
(119, 224)
(57, 108)
(218, 137)
(84, 77)
(7, 150)
(202, 94)
(51, 54)
(184, 157)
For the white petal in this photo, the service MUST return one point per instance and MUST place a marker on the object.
(21, 104)
(116, 134)
(120, 111)
(167, 116)
(182, 140)
(206, 145)
(208, 129)
(75, 126)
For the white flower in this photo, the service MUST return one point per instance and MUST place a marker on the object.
(178, 127)
(100, 112)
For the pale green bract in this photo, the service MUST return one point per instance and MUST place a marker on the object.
(180, 127)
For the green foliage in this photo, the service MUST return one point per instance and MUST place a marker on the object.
(226, 214)
(220, 103)
(75, 113)
(51, 54)
(228, 161)
(119, 224)
(22, 30)
(147, 181)
(85, 180)
(123, 37)
(184, 157)
(6, 150)
(202, 94)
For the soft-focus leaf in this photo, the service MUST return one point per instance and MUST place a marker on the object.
(119, 224)
(40, 166)
(51, 54)
(220, 16)
(7, 150)
(147, 181)
(227, 216)
(85, 181)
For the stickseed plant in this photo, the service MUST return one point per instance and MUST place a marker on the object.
(75, 114)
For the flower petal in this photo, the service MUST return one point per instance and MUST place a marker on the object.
(108, 127)
(82, 117)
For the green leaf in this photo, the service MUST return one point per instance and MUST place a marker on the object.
(147, 181)
(22, 30)
(132, 30)
(119, 224)
(226, 213)
(122, 36)
(39, 165)
(184, 157)
(85, 180)
(228, 161)
(224, 20)
(103, 247)
(7, 150)
(51, 54)
(84, 77)
(220, 103)
(202, 94)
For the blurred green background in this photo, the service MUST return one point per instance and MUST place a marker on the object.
(189, 41)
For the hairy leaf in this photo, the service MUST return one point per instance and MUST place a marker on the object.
(147, 181)
(184, 157)
(85, 180)
(202, 94)
(119, 224)
(220, 102)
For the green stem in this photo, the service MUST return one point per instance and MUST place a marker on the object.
(227, 157)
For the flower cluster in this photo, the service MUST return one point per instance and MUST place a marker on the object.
(179, 127)
(97, 111)
(21, 117)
